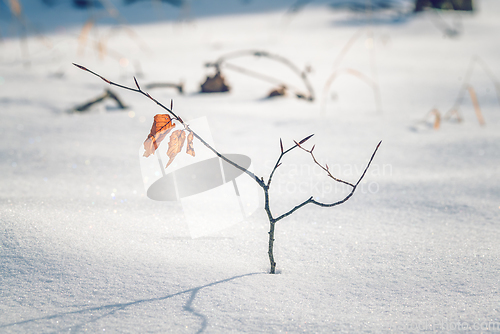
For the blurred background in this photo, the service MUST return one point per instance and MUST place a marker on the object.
(300, 48)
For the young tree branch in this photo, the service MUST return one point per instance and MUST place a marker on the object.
(138, 90)
(170, 111)
(311, 199)
(260, 181)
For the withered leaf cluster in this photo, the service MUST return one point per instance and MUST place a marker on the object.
(162, 124)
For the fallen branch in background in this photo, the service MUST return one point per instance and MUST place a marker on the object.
(280, 91)
(108, 94)
(215, 84)
(179, 86)
(223, 62)
(163, 123)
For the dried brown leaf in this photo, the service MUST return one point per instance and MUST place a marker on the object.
(162, 125)
(175, 144)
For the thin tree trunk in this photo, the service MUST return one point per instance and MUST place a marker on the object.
(271, 244)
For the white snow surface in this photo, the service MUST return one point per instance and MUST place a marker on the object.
(82, 248)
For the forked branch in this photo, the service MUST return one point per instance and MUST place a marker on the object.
(223, 61)
(327, 170)
(310, 200)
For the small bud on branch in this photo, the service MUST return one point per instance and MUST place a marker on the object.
(81, 67)
(305, 139)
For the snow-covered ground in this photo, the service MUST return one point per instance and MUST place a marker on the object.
(82, 248)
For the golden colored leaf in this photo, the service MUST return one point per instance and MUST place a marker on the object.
(175, 144)
(162, 125)
(189, 145)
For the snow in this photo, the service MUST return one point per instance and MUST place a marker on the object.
(84, 249)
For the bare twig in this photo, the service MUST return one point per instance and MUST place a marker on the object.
(260, 181)
(325, 168)
(313, 201)
(138, 90)
(169, 110)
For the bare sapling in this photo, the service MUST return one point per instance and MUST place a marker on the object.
(164, 123)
